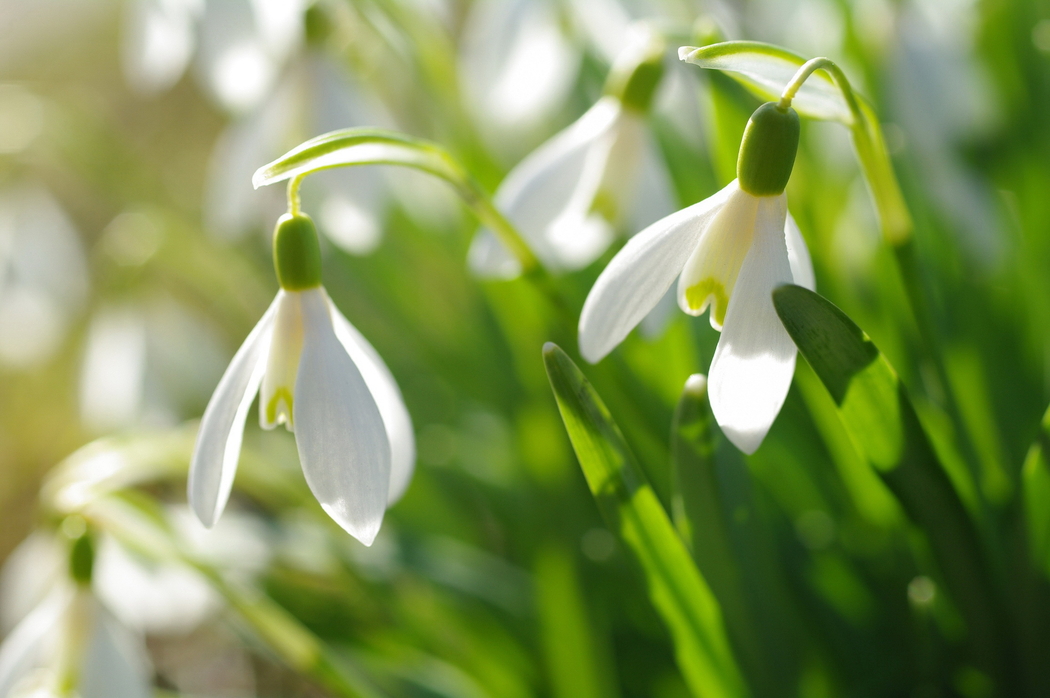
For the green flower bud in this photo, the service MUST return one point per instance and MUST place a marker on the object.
(636, 75)
(296, 253)
(767, 151)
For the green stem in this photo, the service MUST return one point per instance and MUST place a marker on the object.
(294, 199)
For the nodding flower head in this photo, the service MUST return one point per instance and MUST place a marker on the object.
(569, 197)
(729, 252)
(321, 379)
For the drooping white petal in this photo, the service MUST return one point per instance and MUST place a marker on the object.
(21, 651)
(755, 358)
(276, 396)
(115, 662)
(798, 256)
(342, 440)
(584, 228)
(539, 189)
(710, 273)
(163, 598)
(388, 399)
(222, 427)
(652, 196)
(27, 577)
(640, 273)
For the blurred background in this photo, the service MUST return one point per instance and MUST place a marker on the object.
(134, 259)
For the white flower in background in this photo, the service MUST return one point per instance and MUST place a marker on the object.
(70, 644)
(319, 377)
(516, 67)
(43, 275)
(729, 252)
(570, 195)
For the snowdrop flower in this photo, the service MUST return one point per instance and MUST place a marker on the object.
(568, 197)
(70, 644)
(729, 252)
(320, 378)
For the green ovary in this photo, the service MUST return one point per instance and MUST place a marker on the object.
(271, 406)
(697, 295)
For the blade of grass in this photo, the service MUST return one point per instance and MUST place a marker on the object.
(631, 509)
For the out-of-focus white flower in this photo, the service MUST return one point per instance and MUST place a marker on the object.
(43, 275)
(70, 644)
(318, 376)
(729, 252)
(516, 66)
(239, 45)
(570, 195)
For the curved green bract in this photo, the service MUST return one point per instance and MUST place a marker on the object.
(765, 70)
(631, 510)
(361, 146)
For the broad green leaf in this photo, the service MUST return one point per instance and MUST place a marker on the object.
(631, 509)
(1036, 483)
(361, 146)
(766, 70)
(882, 423)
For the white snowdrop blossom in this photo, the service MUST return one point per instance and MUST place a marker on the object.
(320, 378)
(729, 252)
(71, 645)
(569, 196)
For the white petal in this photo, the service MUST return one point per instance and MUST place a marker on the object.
(798, 256)
(654, 195)
(710, 273)
(222, 428)
(388, 398)
(282, 365)
(640, 274)
(539, 189)
(343, 444)
(20, 652)
(115, 664)
(755, 358)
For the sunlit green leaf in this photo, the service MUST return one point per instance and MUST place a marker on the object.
(879, 417)
(631, 509)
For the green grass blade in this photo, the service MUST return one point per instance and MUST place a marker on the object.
(1036, 483)
(631, 509)
(881, 421)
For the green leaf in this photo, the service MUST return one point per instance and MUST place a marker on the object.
(766, 70)
(1036, 484)
(631, 509)
(882, 423)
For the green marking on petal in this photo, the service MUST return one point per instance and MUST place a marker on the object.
(281, 393)
(605, 205)
(697, 294)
